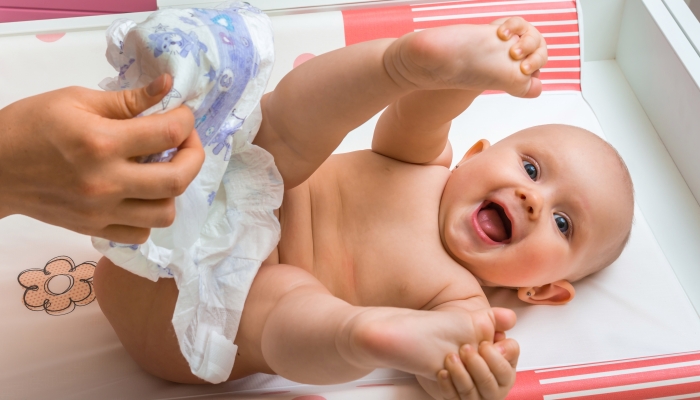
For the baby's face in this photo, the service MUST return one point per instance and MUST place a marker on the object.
(542, 205)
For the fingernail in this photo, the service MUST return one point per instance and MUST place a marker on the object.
(156, 86)
(506, 33)
(526, 67)
(454, 358)
(466, 348)
(444, 375)
(518, 51)
(501, 349)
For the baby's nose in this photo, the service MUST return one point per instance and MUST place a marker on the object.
(531, 202)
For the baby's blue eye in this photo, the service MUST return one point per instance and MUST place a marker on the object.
(530, 169)
(562, 223)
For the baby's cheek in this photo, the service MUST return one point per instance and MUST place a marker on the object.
(534, 265)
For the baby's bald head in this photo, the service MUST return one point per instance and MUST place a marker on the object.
(548, 203)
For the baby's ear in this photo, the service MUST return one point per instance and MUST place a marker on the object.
(557, 293)
(477, 148)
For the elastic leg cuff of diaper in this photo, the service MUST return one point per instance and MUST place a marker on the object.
(219, 356)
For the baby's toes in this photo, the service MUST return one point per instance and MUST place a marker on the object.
(534, 61)
(528, 44)
(511, 26)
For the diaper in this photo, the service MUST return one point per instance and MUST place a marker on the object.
(225, 226)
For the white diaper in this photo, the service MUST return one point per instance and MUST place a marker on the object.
(225, 226)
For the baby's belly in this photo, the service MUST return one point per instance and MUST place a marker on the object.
(312, 235)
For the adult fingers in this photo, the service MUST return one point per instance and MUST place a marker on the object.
(151, 134)
(504, 319)
(124, 234)
(461, 380)
(501, 369)
(126, 104)
(510, 350)
(168, 179)
(447, 389)
(144, 213)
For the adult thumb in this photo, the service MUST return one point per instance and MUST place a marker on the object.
(127, 104)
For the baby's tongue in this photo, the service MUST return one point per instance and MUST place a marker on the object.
(491, 223)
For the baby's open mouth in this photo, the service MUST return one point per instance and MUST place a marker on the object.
(494, 222)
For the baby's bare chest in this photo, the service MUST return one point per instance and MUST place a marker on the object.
(367, 228)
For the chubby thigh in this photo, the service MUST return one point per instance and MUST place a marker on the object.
(141, 311)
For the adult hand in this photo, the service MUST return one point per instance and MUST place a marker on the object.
(67, 158)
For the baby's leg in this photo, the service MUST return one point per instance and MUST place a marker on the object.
(292, 326)
(140, 311)
(307, 335)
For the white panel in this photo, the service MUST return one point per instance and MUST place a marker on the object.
(304, 34)
(602, 21)
(661, 193)
(664, 72)
(686, 20)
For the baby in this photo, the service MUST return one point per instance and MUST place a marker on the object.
(383, 252)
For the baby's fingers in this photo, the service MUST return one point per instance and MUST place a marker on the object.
(480, 373)
(460, 384)
(501, 367)
(510, 350)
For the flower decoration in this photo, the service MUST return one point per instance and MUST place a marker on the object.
(38, 294)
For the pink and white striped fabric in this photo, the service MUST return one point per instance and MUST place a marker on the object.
(675, 376)
(557, 20)
(29, 10)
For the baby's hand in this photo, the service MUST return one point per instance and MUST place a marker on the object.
(473, 57)
(488, 373)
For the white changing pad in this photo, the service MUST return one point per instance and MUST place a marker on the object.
(634, 308)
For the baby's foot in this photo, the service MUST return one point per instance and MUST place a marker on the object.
(418, 341)
(502, 56)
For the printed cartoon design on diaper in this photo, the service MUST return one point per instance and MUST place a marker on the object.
(59, 286)
(176, 42)
(124, 245)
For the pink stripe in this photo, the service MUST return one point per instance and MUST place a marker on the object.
(14, 14)
(103, 6)
(560, 75)
(512, 8)
(562, 39)
(558, 28)
(619, 366)
(488, 20)
(563, 52)
(484, 2)
(621, 380)
(563, 64)
(661, 391)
